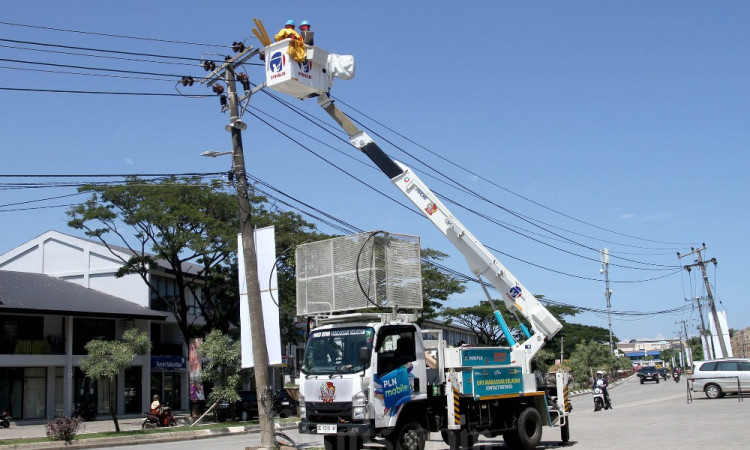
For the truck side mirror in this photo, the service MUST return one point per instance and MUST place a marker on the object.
(364, 356)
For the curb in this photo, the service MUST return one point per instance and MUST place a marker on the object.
(151, 438)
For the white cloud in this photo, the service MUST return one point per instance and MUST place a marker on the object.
(627, 216)
(129, 161)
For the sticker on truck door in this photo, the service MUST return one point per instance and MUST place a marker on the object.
(394, 389)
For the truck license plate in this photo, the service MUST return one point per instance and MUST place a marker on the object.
(326, 429)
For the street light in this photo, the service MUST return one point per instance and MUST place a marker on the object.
(214, 153)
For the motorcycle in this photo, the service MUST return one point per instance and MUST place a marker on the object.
(5, 419)
(165, 419)
(676, 377)
(85, 412)
(600, 400)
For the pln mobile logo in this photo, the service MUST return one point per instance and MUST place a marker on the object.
(277, 62)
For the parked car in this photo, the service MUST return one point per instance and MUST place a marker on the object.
(723, 376)
(648, 373)
(663, 372)
(284, 404)
(244, 409)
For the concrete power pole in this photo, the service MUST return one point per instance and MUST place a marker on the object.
(604, 257)
(259, 349)
(683, 355)
(704, 332)
(700, 263)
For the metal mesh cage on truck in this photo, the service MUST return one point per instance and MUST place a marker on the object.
(360, 271)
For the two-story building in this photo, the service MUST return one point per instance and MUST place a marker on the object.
(59, 291)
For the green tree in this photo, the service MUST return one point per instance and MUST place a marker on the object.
(479, 319)
(623, 363)
(106, 359)
(588, 357)
(185, 223)
(437, 285)
(192, 227)
(696, 347)
(222, 366)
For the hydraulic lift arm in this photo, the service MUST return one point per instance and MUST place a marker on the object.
(481, 262)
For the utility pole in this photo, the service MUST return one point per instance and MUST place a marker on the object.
(604, 257)
(562, 339)
(704, 332)
(700, 263)
(682, 342)
(259, 350)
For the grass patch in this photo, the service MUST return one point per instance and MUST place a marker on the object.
(109, 434)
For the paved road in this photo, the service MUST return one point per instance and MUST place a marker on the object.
(644, 416)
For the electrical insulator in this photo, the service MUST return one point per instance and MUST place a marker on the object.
(187, 81)
(208, 66)
(218, 89)
(244, 80)
(238, 47)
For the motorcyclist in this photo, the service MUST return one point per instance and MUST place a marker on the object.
(602, 381)
(161, 412)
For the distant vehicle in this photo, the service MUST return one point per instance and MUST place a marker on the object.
(648, 373)
(245, 408)
(663, 372)
(284, 404)
(719, 377)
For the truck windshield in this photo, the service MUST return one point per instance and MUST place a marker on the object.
(336, 350)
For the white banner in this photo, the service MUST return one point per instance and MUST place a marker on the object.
(265, 250)
(725, 335)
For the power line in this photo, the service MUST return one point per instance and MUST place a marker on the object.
(73, 91)
(503, 187)
(122, 36)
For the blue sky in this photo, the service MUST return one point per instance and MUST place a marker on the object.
(603, 124)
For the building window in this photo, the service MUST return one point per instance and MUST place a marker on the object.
(166, 289)
(85, 330)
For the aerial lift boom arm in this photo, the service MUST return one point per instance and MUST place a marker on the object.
(481, 262)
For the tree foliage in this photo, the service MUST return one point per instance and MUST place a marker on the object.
(222, 366)
(106, 359)
(192, 228)
(589, 357)
(437, 285)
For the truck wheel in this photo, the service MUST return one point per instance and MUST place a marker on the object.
(529, 428)
(410, 437)
(456, 439)
(565, 431)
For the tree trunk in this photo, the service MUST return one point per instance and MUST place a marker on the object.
(112, 406)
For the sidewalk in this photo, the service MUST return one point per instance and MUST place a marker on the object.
(37, 428)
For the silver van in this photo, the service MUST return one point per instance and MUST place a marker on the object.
(721, 376)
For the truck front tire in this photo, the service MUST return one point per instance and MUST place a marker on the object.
(411, 436)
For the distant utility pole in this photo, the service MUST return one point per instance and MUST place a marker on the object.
(235, 127)
(683, 353)
(562, 339)
(604, 257)
(700, 263)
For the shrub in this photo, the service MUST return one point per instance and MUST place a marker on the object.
(63, 428)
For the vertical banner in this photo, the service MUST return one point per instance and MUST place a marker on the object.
(724, 335)
(195, 364)
(265, 250)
